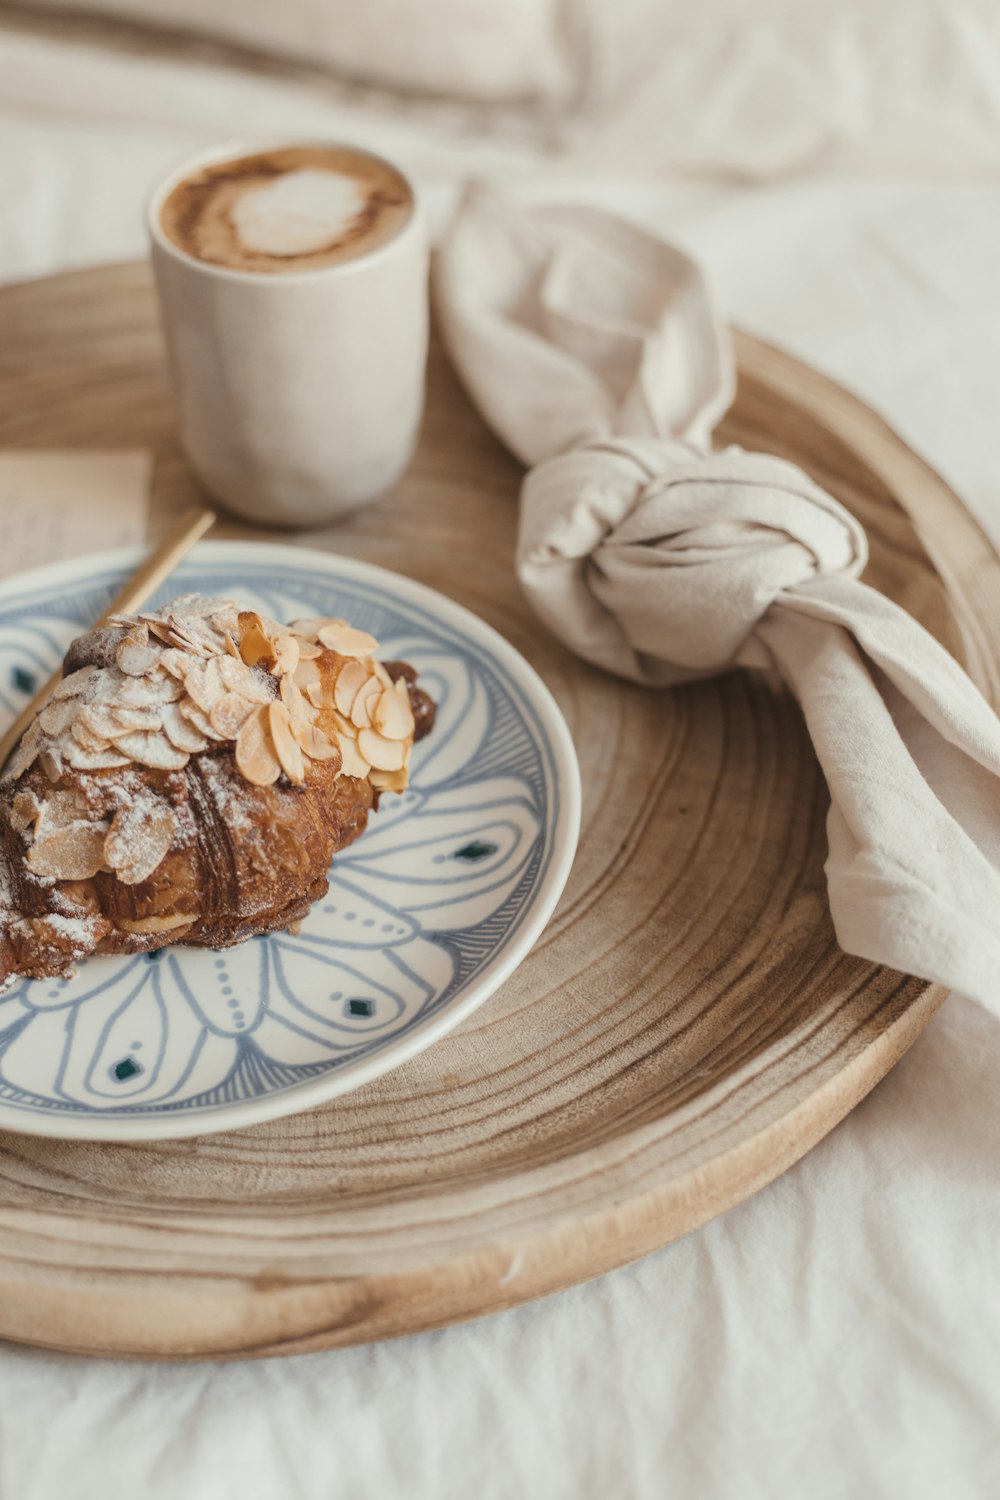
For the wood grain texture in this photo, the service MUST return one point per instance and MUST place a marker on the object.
(685, 1029)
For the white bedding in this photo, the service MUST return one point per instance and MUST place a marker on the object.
(839, 1335)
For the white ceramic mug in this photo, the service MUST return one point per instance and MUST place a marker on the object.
(299, 395)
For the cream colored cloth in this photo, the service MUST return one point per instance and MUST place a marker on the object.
(592, 349)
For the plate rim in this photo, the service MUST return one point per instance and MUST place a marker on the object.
(312, 1092)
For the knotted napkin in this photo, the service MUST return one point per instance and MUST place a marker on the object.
(592, 349)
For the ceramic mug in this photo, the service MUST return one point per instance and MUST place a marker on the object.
(298, 394)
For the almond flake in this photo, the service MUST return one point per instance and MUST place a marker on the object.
(319, 694)
(181, 731)
(293, 700)
(228, 713)
(57, 716)
(343, 638)
(306, 672)
(231, 647)
(255, 644)
(352, 762)
(135, 656)
(350, 680)
(384, 755)
(73, 685)
(255, 753)
(289, 752)
(152, 749)
(244, 680)
(26, 752)
(93, 760)
(24, 809)
(200, 721)
(138, 839)
(204, 683)
(286, 655)
(51, 764)
(84, 734)
(389, 781)
(72, 853)
(392, 715)
(177, 663)
(127, 716)
(309, 629)
(308, 650)
(364, 702)
(313, 741)
(142, 926)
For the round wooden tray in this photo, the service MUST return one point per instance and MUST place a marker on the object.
(685, 1029)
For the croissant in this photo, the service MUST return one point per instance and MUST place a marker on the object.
(191, 778)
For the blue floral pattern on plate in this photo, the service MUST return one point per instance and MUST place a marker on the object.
(425, 915)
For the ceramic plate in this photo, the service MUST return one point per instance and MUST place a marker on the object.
(426, 914)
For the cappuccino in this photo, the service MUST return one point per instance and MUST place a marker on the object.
(298, 208)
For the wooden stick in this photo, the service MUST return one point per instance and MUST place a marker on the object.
(148, 576)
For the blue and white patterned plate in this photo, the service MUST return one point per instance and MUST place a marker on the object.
(426, 914)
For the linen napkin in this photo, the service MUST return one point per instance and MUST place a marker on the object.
(592, 349)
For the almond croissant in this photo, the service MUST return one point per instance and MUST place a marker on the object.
(190, 779)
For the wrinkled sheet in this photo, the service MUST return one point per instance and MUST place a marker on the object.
(838, 1335)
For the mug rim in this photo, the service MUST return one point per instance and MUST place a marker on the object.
(213, 155)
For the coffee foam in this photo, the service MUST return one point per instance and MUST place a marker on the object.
(297, 214)
(296, 208)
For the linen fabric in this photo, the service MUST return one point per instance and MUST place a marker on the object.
(593, 351)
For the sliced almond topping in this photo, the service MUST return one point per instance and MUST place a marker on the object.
(138, 839)
(293, 700)
(177, 663)
(26, 752)
(128, 717)
(289, 752)
(313, 741)
(306, 672)
(384, 755)
(350, 680)
(319, 694)
(73, 685)
(231, 647)
(286, 655)
(24, 809)
(135, 656)
(309, 629)
(72, 853)
(84, 734)
(361, 715)
(140, 692)
(255, 644)
(181, 731)
(389, 781)
(339, 636)
(51, 765)
(144, 925)
(92, 760)
(204, 683)
(308, 650)
(57, 716)
(228, 714)
(392, 715)
(353, 762)
(200, 721)
(381, 674)
(244, 680)
(152, 749)
(256, 756)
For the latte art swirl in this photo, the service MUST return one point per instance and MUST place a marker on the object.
(294, 209)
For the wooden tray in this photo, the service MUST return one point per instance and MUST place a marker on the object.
(684, 1031)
